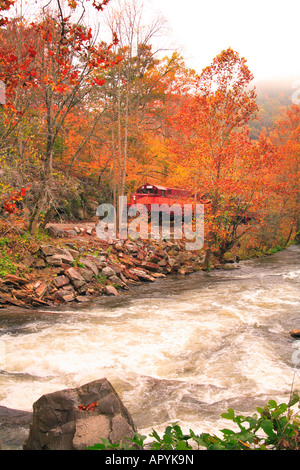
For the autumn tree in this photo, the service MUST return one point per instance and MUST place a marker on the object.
(135, 90)
(286, 137)
(212, 141)
(53, 69)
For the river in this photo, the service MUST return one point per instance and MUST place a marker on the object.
(181, 349)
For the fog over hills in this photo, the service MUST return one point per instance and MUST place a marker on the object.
(272, 97)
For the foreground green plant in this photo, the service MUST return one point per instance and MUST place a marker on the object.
(6, 264)
(274, 427)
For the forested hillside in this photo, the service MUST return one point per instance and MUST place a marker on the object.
(272, 99)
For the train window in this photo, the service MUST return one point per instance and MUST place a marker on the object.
(169, 191)
(163, 193)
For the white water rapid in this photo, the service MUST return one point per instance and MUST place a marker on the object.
(180, 349)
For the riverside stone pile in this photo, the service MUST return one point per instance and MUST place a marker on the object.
(76, 266)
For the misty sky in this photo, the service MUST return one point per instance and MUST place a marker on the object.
(265, 32)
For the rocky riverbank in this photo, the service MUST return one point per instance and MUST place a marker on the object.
(73, 265)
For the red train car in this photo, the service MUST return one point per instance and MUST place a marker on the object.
(149, 194)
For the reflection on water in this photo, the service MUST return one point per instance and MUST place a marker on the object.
(180, 349)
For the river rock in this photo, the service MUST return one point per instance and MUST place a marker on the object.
(118, 245)
(118, 268)
(74, 419)
(100, 261)
(39, 263)
(41, 290)
(48, 250)
(54, 232)
(73, 274)
(90, 265)
(55, 255)
(71, 233)
(54, 260)
(28, 261)
(66, 257)
(11, 278)
(150, 266)
(108, 271)
(295, 333)
(82, 298)
(83, 289)
(126, 259)
(61, 281)
(14, 423)
(86, 274)
(111, 290)
(64, 295)
(131, 247)
(131, 276)
(77, 283)
(162, 263)
(142, 275)
(6, 298)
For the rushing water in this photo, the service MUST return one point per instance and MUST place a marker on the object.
(180, 349)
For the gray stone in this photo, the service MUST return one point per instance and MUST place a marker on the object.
(41, 290)
(86, 274)
(39, 263)
(72, 233)
(78, 283)
(100, 261)
(54, 260)
(56, 256)
(73, 274)
(108, 271)
(90, 265)
(66, 257)
(83, 289)
(74, 419)
(28, 261)
(53, 231)
(83, 298)
(61, 281)
(115, 280)
(142, 275)
(48, 250)
(64, 295)
(131, 247)
(111, 290)
(14, 423)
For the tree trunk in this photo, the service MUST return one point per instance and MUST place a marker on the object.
(34, 219)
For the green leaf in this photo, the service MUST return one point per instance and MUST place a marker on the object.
(182, 445)
(227, 432)
(229, 414)
(267, 426)
(155, 435)
(293, 400)
(96, 447)
(168, 439)
(272, 404)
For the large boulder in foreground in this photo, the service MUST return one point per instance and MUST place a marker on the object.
(74, 419)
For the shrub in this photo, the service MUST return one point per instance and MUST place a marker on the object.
(273, 427)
